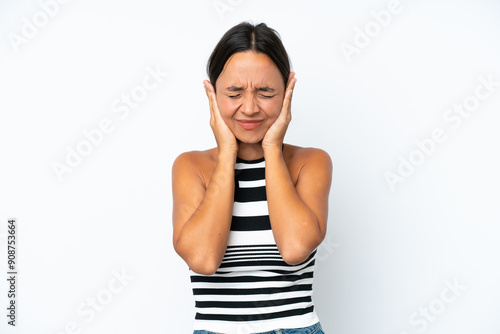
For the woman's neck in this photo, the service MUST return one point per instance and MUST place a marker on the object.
(250, 151)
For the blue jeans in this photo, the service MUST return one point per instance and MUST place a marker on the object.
(314, 329)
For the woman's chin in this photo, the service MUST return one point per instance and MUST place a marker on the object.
(250, 139)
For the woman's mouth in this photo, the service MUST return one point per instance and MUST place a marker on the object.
(249, 125)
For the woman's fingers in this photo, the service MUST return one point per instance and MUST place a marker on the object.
(288, 97)
(208, 85)
(214, 110)
(223, 135)
(215, 107)
(290, 77)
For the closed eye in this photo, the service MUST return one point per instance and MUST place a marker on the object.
(264, 96)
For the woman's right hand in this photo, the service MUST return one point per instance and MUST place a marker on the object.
(226, 141)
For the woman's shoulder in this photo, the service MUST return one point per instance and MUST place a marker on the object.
(291, 153)
(302, 150)
(307, 161)
(299, 154)
(202, 162)
(294, 155)
(198, 156)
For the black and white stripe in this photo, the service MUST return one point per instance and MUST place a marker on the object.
(253, 290)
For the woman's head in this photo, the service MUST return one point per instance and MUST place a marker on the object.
(249, 69)
(247, 37)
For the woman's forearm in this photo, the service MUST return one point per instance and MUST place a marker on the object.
(203, 239)
(295, 227)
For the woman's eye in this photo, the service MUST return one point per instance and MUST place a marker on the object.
(264, 96)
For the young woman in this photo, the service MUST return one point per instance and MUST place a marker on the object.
(249, 214)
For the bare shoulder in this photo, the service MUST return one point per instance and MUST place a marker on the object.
(195, 157)
(301, 159)
(297, 155)
(200, 162)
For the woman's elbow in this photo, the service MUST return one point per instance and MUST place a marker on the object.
(297, 252)
(295, 255)
(202, 265)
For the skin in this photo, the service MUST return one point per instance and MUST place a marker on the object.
(251, 71)
(298, 179)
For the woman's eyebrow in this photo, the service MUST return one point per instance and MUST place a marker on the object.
(237, 89)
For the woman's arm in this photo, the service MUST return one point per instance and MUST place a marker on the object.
(202, 216)
(298, 213)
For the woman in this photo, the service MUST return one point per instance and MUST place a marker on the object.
(249, 214)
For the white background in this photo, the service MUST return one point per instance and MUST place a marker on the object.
(389, 255)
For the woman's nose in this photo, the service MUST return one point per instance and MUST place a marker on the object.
(249, 106)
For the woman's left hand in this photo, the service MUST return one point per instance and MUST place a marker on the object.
(276, 133)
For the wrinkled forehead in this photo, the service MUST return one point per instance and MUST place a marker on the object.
(250, 70)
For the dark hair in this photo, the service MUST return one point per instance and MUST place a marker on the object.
(247, 37)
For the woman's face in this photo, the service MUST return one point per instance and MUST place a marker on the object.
(250, 88)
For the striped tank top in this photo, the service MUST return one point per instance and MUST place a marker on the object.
(253, 290)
